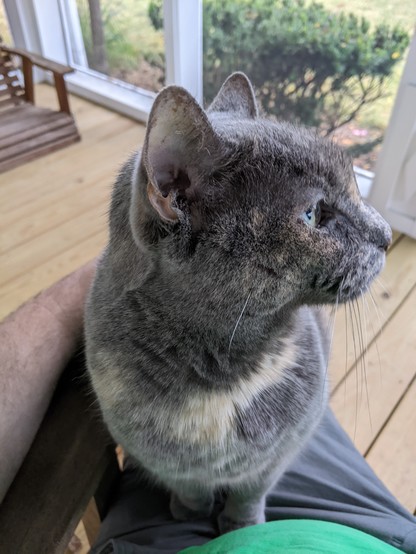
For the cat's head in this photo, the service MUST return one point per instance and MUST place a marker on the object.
(236, 202)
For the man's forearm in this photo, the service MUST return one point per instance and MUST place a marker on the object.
(36, 343)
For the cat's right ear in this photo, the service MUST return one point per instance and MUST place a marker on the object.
(179, 147)
(236, 96)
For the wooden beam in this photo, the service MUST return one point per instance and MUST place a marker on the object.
(61, 93)
(394, 453)
(28, 79)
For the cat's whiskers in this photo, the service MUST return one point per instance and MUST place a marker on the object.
(331, 329)
(238, 322)
(360, 358)
(379, 282)
(375, 335)
(380, 315)
(346, 353)
(364, 339)
(355, 366)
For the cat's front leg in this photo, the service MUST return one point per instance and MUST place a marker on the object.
(243, 507)
(190, 502)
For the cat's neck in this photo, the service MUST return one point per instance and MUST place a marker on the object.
(226, 336)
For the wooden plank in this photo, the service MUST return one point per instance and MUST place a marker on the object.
(396, 237)
(45, 247)
(11, 101)
(60, 192)
(23, 110)
(30, 222)
(36, 143)
(61, 92)
(394, 453)
(30, 155)
(21, 131)
(373, 389)
(27, 70)
(32, 118)
(112, 144)
(38, 60)
(398, 278)
(43, 275)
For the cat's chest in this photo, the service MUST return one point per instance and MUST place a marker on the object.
(213, 417)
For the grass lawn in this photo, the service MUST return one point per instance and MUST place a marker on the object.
(401, 12)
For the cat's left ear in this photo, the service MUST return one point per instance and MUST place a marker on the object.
(236, 96)
(179, 147)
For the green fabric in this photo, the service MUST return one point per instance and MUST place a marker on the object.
(295, 536)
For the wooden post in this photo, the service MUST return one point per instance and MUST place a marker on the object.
(61, 92)
(28, 77)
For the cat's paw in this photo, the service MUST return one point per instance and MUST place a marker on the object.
(182, 512)
(227, 524)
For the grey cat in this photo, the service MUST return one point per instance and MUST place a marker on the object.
(205, 345)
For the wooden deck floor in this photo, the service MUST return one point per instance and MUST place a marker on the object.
(53, 219)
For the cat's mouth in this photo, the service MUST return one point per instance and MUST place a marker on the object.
(333, 287)
(352, 283)
(336, 290)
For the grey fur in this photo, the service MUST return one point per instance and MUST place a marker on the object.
(205, 347)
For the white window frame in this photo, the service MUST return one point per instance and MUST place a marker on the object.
(41, 26)
(387, 195)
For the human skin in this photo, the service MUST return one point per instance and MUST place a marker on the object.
(36, 342)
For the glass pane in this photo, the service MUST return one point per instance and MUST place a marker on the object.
(332, 65)
(5, 35)
(122, 40)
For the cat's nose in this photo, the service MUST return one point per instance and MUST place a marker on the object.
(379, 231)
(386, 237)
(384, 245)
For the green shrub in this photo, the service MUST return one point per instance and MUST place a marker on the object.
(308, 64)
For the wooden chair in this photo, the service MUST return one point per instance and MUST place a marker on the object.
(72, 460)
(28, 131)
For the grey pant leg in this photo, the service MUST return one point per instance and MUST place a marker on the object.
(139, 521)
(329, 480)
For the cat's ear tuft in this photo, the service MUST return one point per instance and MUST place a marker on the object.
(236, 96)
(179, 146)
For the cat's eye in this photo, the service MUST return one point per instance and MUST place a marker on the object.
(312, 216)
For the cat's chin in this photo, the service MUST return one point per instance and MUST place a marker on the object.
(349, 295)
(353, 284)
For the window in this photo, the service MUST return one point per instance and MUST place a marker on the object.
(329, 64)
(63, 29)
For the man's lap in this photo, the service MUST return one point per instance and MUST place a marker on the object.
(328, 481)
